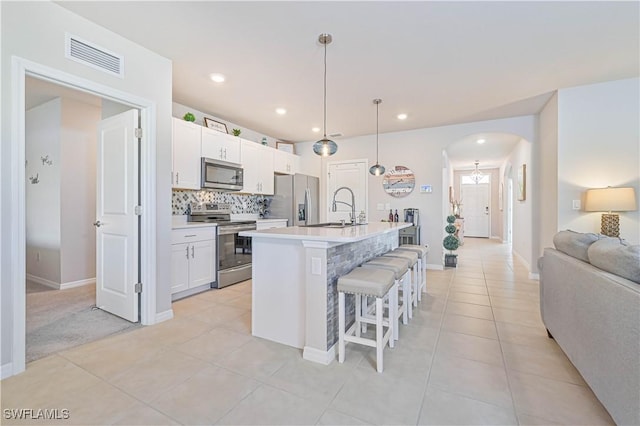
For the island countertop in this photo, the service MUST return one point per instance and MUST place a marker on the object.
(347, 234)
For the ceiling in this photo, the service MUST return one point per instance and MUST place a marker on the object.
(497, 146)
(439, 62)
(39, 91)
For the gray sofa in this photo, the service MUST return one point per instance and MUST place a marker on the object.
(594, 316)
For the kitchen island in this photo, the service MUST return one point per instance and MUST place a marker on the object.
(295, 276)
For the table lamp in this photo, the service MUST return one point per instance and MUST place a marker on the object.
(610, 200)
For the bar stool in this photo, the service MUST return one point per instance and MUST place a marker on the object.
(378, 283)
(400, 269)
(422, 252)
(413, 261)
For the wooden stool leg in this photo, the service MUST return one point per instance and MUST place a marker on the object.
(379, 334)
(341, 325)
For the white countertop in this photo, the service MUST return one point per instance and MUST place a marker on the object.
(271, 219)
(180, 222)
(342, 235)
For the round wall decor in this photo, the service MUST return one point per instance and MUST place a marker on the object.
(399, 181)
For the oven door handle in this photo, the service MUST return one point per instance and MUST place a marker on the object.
(226, 230)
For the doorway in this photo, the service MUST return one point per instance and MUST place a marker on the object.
(61, 149)
(21, 69)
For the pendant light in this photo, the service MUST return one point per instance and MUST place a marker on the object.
(377, 169)
(324, 146)
(476, 176)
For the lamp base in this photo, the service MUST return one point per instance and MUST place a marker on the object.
(610, 225)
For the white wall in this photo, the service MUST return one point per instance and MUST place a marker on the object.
(61, 244)
(598, 134)
(522, 232)
(42, 134)
(35, 31)
(78, 191)
(547, 160)
(421, 151)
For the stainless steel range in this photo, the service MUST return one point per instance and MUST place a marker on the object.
(234, 251)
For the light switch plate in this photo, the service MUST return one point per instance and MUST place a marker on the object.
(576, 204)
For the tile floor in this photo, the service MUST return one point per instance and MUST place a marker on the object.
(476, 352)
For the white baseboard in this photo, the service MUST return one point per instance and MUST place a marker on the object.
(534, 276)
(60, 286)
(521, 259)
(79, 283)
(495, 237)
(43, 281)
(163, 316)
(6, 370)
(321, 357)
(435, 266)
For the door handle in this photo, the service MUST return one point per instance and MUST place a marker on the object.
(192, 248)
(187, 252)
(97, 224)
(486, 210)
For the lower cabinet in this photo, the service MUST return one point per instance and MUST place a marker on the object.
(193, 258)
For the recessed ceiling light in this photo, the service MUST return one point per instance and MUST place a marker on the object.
(481, 141)
(402, 116)
(218, 78)
(315, 129)
(281, 111)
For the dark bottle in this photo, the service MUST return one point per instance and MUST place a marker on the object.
(395, 216)
(390, 215)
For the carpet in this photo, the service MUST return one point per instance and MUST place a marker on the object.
(61, 319)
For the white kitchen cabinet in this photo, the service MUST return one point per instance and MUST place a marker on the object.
(193, 258)
(185, 149)
(257, 164)
(285, 163)
(220, 146)
(270, 223)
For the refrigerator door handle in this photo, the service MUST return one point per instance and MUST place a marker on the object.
(307, 205)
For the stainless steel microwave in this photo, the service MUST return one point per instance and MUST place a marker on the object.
(221, 175)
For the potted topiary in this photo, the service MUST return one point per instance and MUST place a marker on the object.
(189, 117)
(236, 132)
(450, 243)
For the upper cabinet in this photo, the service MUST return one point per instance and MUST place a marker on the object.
(220, 146)
(185, 146)
(257, 163)
(285, 163)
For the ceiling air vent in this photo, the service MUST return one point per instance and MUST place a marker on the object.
(94, 56)
(335, 135)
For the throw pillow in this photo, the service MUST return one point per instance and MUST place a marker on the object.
(615, 256)
(575, 244)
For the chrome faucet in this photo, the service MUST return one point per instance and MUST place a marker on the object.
(352, 205)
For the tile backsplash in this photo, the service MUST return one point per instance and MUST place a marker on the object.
(240, 203)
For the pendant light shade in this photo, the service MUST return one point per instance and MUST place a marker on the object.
(476, 175)
(325, 146)
(377, 169)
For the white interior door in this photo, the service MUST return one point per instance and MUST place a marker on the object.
(475, 199)
(353, 175)
(116, 219)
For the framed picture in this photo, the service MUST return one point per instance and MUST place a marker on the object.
(215, 125)
(286, 147)
(522, 182)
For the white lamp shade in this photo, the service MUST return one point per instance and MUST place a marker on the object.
(610, 200)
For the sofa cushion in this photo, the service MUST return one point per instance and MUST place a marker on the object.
(616, 256)
(575, 244)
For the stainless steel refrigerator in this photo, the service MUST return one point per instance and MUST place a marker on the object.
(296, 199)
